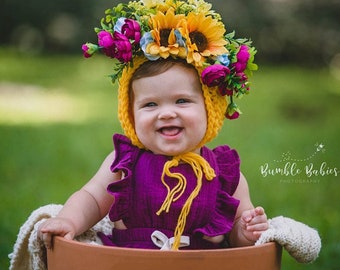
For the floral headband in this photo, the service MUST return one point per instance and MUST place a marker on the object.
(187, 30)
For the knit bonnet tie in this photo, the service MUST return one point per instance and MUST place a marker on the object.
(199, 165)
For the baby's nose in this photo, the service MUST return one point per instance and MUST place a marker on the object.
(167, 113)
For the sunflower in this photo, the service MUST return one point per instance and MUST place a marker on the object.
(206, 38)
(166, 35)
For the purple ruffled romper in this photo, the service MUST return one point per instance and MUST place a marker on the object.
(140, 194)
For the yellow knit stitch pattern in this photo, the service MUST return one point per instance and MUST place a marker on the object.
(216, 107)
(124, 107)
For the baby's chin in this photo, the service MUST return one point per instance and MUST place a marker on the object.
(173, 152)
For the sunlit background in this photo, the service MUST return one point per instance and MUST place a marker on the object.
(58, 110)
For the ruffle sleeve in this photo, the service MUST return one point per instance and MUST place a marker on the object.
(121, 190)
(228, 171)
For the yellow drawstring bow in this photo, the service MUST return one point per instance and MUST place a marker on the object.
(199, 166)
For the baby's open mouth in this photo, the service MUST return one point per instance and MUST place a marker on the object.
(170, 131)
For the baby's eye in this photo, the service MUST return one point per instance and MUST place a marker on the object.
(182, 100)
(150, 104)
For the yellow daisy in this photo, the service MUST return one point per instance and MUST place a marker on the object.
(206, 38)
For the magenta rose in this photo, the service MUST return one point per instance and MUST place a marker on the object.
(232, 116)
(224, 90)
(85, 49)
(239, 66)
(105, 39)
(232, 111)
(214, 75)
(131, 29)
(242, 59)
(121, 48)
(242, 76)
(243, 54)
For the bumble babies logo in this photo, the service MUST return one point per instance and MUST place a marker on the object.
(294, 170)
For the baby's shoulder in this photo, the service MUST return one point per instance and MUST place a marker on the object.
(222, 154)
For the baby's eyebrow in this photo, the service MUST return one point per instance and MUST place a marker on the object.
(144, 100)
(185, 95)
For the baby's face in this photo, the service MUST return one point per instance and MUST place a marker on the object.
(169, 111)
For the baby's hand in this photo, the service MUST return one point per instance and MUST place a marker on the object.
(55, 226)
(253, 223)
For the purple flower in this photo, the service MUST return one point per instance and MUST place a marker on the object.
(242, 76)
(131, 29)
(240, 67)
(243, 54)
(242, 59)
(105, 39)
(121, 48)
(85, 49)
(89, 49)
(214, 75)
(232, 116)
(224, 90)
(232, 111)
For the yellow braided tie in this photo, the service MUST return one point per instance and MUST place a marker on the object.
(199, 166)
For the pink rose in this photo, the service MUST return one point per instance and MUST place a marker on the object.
(105, 39)
(131, 30)
(233, 116)
(243, 54)
(232, 111)
(89, 49)
(242, 59)
(242, 76)
(224, 90)
(214, 75)
(239, 66)
(121, 48)
(85, 49)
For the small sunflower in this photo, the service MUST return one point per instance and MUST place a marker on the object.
(166, 35)
(206, 38)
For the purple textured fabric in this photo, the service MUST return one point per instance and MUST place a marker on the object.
(140, 193)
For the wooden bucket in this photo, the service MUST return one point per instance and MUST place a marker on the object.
(75, 255)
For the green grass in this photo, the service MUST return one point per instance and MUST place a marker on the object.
(44, 159)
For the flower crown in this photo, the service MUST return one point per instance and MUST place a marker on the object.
(187, 30)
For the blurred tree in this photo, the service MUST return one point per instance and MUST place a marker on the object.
(48, 25)
(295, 31)
(306, 32)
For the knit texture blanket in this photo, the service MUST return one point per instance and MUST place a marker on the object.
(302, 242)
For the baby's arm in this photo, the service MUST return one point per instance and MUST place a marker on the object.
(250, 222)
(84, 208)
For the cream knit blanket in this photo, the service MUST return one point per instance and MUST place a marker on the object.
(302, 242)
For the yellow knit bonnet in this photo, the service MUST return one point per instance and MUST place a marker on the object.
(215, 104)
(148, 30)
